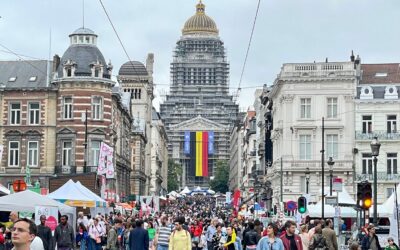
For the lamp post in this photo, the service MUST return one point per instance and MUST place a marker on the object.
(84, 119)
(307, 179)
(330, 164)
(375, 145)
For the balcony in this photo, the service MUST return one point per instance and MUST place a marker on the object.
(381, 134)
(382, 176)
(60, 170)
(90, 169)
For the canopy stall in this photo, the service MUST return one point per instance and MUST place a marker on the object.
(73, 194)
(185, 191)
(4, 190)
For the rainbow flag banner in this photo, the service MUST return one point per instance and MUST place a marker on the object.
(197, 148)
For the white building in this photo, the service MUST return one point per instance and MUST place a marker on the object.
(159, 156)
(235, 159)
(302, 95)
(377, 111)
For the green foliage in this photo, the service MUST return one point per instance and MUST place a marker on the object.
(221, 178)
(174, 172)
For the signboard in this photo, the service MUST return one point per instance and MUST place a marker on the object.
(337, 185)
(291, 205)
(51, 214)
(228, 197)
(331, 200)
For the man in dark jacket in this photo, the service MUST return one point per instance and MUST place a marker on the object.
(44, 233)
(370, 240)
(139, 238)
(64, 235)
(290, 240)
(251, 237)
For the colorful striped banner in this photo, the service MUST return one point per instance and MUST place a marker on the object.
(198, 163)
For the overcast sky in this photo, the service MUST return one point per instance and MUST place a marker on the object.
(286, 31)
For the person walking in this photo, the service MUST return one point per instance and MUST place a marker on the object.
(82, 237)
(230, 241)
(64, 234)
(304, 236)
(251, 237)
(318, 241)
(290, 240)
(391, 244)
(330, 235)
(139, 237)
(210, 233)
(180, 239)
(96, 231)
(370, 240)
(163, 234)
(271, 241)
(112, 237)
(44, 233)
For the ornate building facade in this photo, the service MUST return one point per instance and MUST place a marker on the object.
(199, 97)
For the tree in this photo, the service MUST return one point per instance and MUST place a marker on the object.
(221, 178)
(174, 172)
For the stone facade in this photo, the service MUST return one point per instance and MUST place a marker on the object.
(199, 92)
(302, 95)
(136, 79)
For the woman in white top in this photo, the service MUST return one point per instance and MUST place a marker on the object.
(304, 236)
(96, 231)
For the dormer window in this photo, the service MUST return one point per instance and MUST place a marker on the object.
(366, 93)
(69, 68)
(391, 92)
(32, 78)
(12, 79)
(381, 74)
(97, 69)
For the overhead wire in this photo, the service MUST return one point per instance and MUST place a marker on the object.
(248, 47)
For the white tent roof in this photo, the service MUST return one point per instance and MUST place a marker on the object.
(69, 191)
(89, 192)
(386, 209)
(26, 201)
(185, 191)
(4, 190)
(173, 193)
(198, 189)
(210, 191)
(329, 211)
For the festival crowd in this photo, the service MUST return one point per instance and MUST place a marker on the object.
(190, 223)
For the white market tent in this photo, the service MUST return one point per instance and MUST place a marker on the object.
(89, 192)
(329, 210)
(4, 190)
(185, 191)
(74, 195)
(173, 193)
(26, 201)
(387, 208)
(210, 191)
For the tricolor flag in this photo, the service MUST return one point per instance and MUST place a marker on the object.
(199, 153)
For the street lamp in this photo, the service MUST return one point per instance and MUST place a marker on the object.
(307, 179)
(375, 145)
(330, 163)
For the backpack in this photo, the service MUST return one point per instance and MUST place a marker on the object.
(319, 243)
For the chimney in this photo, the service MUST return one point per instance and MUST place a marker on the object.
(56, 62)
(150, 64)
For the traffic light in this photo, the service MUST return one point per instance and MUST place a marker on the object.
(302, 204)
(364, 195)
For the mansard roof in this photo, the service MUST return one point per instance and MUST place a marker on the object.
(386, 73)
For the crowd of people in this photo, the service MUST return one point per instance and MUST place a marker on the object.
(192, 223)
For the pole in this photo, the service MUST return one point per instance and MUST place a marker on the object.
(375, 191)
(323, 168)
(281, 180)
(397, 215)
(330, 182)
(307, 182)
(86, 134)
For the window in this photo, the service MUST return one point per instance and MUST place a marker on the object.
(389, 192)
(305, 107)
(69, 72)
(96, 72)
(66, 153)
(96, 108)
(95, 153)
(305, 147)
(32, 78)
(13, 153)
(391, 124)
(136, 93)
(33, 153)
(391, 163)
(367, 164)
(366, 124)
(332, 146)
(332, 107)
(34, 113)
(67, 111)
(15, 113)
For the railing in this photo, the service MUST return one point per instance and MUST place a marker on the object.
(90, 169)
(382, 135)
(65, 170)
(382, 176)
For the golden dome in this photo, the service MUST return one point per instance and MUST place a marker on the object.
(200, 23)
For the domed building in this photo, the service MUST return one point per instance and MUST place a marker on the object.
(199, 104)
(136, 79)
(90, 111)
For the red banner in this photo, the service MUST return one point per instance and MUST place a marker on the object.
(236, 198)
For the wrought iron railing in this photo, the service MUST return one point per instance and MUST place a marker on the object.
(382, 176)
(382, 135)
(65, 170)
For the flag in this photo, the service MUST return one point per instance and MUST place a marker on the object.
(199, 153)
(106, 165)
(236, 197)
